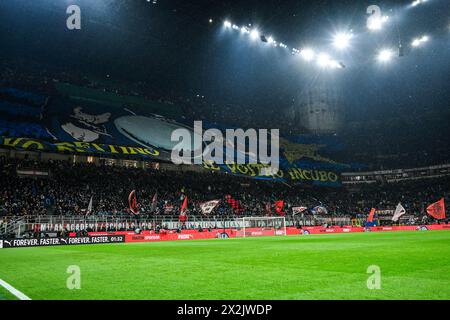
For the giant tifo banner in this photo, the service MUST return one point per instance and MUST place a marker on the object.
(78, 120)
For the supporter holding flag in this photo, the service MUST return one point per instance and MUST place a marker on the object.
(437, 209)
(399, 211)
(183, 211)
(369, 222)
(371, 214)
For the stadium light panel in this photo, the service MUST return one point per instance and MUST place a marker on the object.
(342, 40)
(385, 55)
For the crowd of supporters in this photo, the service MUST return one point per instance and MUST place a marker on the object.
(70, 186)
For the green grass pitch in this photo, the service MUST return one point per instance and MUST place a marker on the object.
(413, 265)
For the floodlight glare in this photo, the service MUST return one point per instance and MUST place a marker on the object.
(418, 41)
(227, 24)
(385, 55)
(342, 40)
(307, 54)
(270, 40)
(244, 30)
(417, 2)
(254, 34)
(324, 60)
(376, 24)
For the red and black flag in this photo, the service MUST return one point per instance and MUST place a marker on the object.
(183, 215)
(132, 202)
(437, 209)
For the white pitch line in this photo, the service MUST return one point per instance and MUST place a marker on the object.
(13, 290)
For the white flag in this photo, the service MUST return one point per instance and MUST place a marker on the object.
(89, 209)
(296, 210)
(208, 207)
(399, 211)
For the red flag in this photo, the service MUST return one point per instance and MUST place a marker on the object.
(437, 209)
(279, 204)
(132, 202)
(183, 217)
(371, 214)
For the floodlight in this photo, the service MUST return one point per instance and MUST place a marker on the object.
(227, 24)
(418, 41)
(254, 34)
(385, 55)
(323, 60)
(342, 40)
(307, 54)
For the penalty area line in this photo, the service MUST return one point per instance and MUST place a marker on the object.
(14, 291)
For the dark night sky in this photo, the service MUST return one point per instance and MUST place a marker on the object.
(171, 44)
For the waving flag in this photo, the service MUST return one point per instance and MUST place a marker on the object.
(154, 202)
(132, 202)
(437, 209)
(319, 210)
(89, 209)
(399, 211)
(297, 210)
(208, 207)
(183, 216)
(371, 214)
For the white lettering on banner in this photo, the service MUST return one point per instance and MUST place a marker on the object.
(241, 147)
